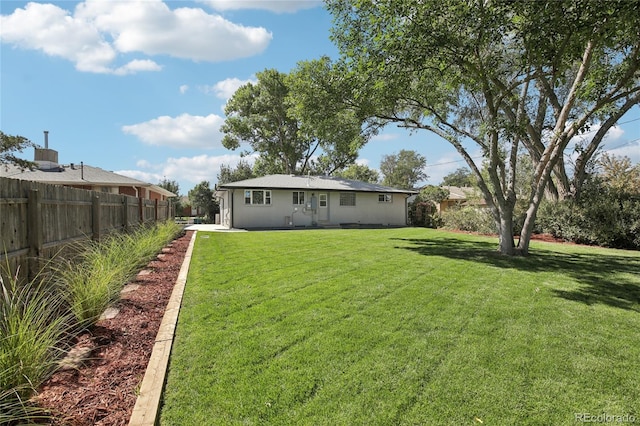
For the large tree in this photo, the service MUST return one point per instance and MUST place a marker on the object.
(461, 177)
(359, 172)
(202, 198)
(403, 170)
(496, 76)
(286, 119)
(10, 145)
(242, 171)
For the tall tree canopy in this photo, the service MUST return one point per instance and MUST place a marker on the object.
(461, 177)
(360, 172)
(403, 170)
(242, 171)
(496, 76)
(289, 121)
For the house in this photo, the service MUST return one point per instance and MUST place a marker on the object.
(461, 196)
(82, 176)
(287, 201)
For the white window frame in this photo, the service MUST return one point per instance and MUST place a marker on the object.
(250, 199)
(323, 200)
(346, 201)
(297, 200)
(385, 198)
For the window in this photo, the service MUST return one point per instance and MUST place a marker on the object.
(384, 198)
(298, 197)
(347, 198)
(322, 199)
(257, 197)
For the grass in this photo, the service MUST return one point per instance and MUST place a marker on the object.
(94, 279)
(402, 326)
(39, 318)
(33, 332)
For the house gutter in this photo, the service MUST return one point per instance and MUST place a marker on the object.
(231, 207)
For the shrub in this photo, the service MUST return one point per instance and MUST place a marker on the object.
(470, 219)
(602, 216)
(33, 328)
(94, 279)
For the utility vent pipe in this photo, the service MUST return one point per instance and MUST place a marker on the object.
(46, 139)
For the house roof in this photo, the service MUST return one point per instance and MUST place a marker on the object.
(328, 183)
(459, 193)
(77, 175)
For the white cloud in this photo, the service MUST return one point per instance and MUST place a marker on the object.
(183, 89)
(226, 88)
(183, 131)
(187, 171)
(277, 6)
(97, 32)
(137, 65)
(384, 137)
(629, 149)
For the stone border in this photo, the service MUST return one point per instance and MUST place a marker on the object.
(146, 410)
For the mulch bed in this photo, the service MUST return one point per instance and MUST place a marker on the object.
(102, 388)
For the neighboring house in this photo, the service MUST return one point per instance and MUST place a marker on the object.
(286, 201)
(461, 196)
(83, 177)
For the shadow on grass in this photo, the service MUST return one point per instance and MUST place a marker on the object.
(601, 276)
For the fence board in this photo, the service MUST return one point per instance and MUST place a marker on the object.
(38, 220)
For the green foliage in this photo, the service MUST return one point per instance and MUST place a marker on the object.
(173, 186)
(201, 197)
(423, 209)
(403, 170)
(359, 172)
(9, 145)
(95, 277)
(242, 171)
(38, 319)
(461, 177)
(33, 331)
(471, 219)
(494, 77)
(603, 215)
(294, 121)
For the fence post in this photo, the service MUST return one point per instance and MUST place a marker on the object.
(141, 208)
(155, 211)
(34, 229)
(125, 208)
(95, 216)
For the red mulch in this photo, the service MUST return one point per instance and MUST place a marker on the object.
(103, 389)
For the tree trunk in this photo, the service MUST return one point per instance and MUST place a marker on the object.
(504, 222)
(527, 228)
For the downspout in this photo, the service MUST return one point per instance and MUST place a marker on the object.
(406, 211)
(231, 207)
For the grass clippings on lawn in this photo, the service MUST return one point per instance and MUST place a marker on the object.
(402, 326)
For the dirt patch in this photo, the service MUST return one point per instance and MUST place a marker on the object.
(101, 388)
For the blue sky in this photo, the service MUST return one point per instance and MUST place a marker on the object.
(139, 87)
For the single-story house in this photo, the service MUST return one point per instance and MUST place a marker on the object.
(459, 196)
(287, 201)
(82, 176)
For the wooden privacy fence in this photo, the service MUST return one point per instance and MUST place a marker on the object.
(37, 220)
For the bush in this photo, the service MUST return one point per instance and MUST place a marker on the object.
(95, 279)
(38, 319)
(470, 219)
(423, 213)
(34, 329)
(601, 216)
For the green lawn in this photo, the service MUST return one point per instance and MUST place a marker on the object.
(402, 327)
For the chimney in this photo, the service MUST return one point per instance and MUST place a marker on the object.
(47, 159)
